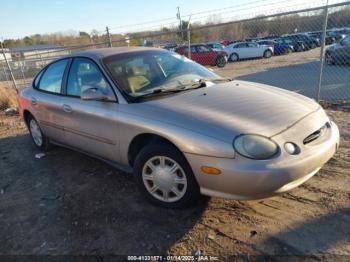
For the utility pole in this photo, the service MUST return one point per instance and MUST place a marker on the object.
(109, 37)
(9, 67)
(178, 15)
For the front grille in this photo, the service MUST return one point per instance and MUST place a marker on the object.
(317, 134)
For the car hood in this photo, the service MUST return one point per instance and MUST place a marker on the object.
(225, 110)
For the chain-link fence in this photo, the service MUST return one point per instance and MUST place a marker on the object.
(306, 51)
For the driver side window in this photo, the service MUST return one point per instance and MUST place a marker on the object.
(85, 74)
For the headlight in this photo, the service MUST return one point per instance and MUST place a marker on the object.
(255, 146)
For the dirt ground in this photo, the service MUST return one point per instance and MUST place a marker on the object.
(70, 204)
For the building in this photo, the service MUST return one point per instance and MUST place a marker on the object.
(7, 55)
(35, 56)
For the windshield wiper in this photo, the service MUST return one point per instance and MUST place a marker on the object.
(216, 80)
(198, 84)
(157, 91)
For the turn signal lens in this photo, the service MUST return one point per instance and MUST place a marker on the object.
(210, 170)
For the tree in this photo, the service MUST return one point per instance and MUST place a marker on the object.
(8, 43)
(94, 36)
(182, 34)
(84, 34)
(84, 37)
(27, 40)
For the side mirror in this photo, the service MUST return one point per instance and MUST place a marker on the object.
(94, 94)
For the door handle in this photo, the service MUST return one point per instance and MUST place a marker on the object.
(34, 101)
(67, 108)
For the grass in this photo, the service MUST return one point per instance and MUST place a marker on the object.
(8, 97)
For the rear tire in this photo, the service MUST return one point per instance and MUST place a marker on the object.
(267, 54)
(234, 57)
(39, 139)
(289, 50)
(165, 177)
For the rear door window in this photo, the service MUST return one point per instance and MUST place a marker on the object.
(51, 80)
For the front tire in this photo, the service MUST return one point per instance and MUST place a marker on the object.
(165, 177)
(37, 136)
(221, 61)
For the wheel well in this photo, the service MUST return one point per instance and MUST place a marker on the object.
(142, 140)
(26, 116)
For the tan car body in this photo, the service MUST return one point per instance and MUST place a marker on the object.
(202, 124)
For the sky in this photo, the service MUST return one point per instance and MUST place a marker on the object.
(20, 18)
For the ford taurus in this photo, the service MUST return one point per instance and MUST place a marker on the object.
(181, 129)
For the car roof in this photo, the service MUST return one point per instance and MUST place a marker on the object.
(105, 52)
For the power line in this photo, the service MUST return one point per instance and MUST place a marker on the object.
(187, 15)
(198, 19)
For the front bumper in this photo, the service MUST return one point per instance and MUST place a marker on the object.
(243, 178)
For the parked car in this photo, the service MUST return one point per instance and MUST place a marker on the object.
(279, 48)
(270, 37)
(178, 127)
(298, 46)
(204, 55)
(226, 42)
(308, 41)
(319, 36)
(170, 47)
(244, 50)
(339, 53)
(216, 46)
(337, 34)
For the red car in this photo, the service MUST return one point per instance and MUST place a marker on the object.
(204, 55)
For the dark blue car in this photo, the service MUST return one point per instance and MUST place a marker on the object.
(279, 48)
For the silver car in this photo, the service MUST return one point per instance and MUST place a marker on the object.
(244, 50)
(181, 129)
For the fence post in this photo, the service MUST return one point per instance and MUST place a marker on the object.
(9, 67)
(22, 71)
(323, 44)
(109, 37)
(189, 37)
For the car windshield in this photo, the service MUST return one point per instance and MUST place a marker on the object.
(153, 72)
